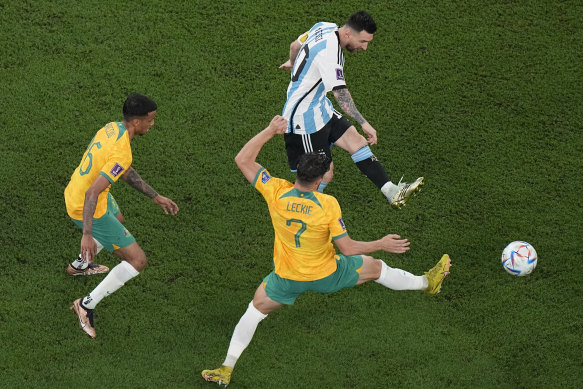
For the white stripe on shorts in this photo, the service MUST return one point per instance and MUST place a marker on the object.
(307, 141)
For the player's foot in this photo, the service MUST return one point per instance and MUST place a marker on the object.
(85, 318)
(437, 274)
(88, 271)
(221, 376)
(405, 192)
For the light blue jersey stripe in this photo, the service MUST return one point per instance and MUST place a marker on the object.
(312, 55)
(296, 85)
(326, 109)
(310, 114)
(307, 108)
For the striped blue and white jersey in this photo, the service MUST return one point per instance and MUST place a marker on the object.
(318, 68)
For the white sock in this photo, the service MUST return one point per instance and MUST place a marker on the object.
(243, 334)
(116, 278)
(389, 190)
(80, 263)
(398, 279)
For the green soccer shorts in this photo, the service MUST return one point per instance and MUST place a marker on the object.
(107, 230)
(286, 291)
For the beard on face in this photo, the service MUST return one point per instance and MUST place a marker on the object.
(351, 48)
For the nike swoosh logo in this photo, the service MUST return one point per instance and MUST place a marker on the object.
(81, 323)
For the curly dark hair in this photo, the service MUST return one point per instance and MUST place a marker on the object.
(311, 167)
(137, 106)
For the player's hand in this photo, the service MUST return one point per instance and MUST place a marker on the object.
(88, 248)
(393, 243)
(370, 132)
(287, 65)
(278, 125)
(166, 204)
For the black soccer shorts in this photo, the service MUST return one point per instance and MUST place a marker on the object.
(321, 141)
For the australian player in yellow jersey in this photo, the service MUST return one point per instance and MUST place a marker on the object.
(95, 211)
(305, 224)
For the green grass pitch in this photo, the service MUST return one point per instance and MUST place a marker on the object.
(482, 98)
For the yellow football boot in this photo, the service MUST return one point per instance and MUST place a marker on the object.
(437, 274)
(221, 376)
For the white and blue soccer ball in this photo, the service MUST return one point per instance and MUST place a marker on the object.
(519, 258)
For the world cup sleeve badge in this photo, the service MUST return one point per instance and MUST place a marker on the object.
(116, 170)
(265, 177)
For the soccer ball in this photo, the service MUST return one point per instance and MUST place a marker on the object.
(519, 258)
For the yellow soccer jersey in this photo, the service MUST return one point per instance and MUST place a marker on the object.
(108, 154)
(305, 224)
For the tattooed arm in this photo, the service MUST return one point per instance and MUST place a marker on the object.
(88, 245)
(135, 181)
(346, 103)
(344, 99)
(132, 177)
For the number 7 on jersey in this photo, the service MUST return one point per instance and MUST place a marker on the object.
(303, 227)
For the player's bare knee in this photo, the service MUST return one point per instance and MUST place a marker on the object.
(360, 142)
(262, 302)
(352, 140)
(378, 266)
(260, 306)
(374, 266)
(137, 258)
(142, 261)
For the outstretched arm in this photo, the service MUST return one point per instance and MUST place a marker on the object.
(246, 158)
(294, 49)
(132, 177)
(390, 243)
(344, 99)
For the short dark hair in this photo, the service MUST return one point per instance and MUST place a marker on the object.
(362, 21)
(311, 167)
(137, 106)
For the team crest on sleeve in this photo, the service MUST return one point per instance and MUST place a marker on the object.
(116, 170)
(265, 177)
(339, 74)
(109, 130)
(342, 224)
